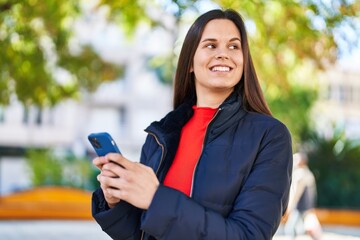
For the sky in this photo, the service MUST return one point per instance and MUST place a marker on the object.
(351, 61)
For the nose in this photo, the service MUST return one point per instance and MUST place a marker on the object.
(221, 54)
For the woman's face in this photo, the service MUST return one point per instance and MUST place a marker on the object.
(218, 60)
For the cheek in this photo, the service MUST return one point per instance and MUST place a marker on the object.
(240, 67)
(239, 59)
(200, 60)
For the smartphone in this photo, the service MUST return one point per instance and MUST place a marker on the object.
(103, 143)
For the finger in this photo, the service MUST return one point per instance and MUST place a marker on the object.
(115, 193)
(102, 179)
(110, 199)
(108, 173)
(100, 161)
(115, 169)
(119, 159)
(110, 182)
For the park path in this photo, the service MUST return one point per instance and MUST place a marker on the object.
(89, 230)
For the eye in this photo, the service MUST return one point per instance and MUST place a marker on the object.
(234, 46)
(210, 46)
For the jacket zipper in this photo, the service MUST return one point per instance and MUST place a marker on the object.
(162, 150)
(202, 149)
(163, 153)
(157, 170)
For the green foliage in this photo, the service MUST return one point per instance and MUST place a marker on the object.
(290, 41)
(46, 168)
(336, 163)
(34, 43)
(127, 13)
(293, 107)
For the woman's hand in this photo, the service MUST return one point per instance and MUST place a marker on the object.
(99, 162)
(122, 179)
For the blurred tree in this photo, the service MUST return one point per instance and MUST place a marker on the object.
(335, 162)
(35, 47)
(291, 41)
(48, 168)
(44, 168)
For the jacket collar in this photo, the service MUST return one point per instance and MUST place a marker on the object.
(230, 112)
(169, 128)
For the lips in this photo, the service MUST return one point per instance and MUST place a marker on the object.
(220, 69)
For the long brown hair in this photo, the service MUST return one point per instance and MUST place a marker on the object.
(248, 86)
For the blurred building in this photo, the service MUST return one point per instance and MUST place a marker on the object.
(123, 107)
(339, 101)
(120, 108)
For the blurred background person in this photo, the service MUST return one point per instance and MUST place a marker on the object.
(301, 215)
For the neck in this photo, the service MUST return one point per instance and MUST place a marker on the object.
(211, 100)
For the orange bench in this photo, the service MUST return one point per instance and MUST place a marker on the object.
(47, 203)
(70, 203)
(338, 216)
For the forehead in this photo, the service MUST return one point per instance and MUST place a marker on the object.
(220, 28)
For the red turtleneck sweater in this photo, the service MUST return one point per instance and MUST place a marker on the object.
(181, 172)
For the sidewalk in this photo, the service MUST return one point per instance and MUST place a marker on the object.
(90, 230)
(330, 232)
(51, 230)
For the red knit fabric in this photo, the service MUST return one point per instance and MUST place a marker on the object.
(191, 142)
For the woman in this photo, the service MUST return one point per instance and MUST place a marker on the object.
(216, 167)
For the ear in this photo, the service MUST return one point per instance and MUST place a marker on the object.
(191, 69)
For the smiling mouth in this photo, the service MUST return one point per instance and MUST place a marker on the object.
(220, 69)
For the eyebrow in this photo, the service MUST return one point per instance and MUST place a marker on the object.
(214, 39)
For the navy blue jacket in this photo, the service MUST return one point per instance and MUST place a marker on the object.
(240, 184)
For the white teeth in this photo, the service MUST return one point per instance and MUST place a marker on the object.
(220, 69)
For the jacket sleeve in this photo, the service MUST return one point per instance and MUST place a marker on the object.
(257, 209)
(123, 221)
(120, 222)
